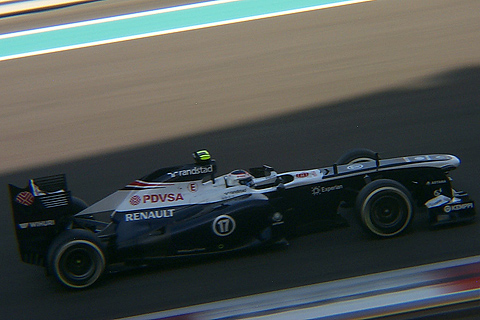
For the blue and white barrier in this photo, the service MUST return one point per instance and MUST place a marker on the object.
(381, 294)
(13, 7)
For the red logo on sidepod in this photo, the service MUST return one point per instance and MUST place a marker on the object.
(135, 200)
(302, 175)
(25, 198)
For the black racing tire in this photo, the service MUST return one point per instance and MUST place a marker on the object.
(385, 208)
(78, 205)
(76, 258)
(356, 156)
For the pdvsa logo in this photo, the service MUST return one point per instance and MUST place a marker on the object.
(156, 198)
(25, 198)
(135, 200)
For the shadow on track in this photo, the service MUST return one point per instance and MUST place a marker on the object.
(440, 114)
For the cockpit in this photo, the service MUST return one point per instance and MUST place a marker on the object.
(204, 168)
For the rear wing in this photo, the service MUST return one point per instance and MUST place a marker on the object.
(40, 212)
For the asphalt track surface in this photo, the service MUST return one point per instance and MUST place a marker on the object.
(399, 77)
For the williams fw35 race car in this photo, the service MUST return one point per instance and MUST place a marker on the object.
(188, 210)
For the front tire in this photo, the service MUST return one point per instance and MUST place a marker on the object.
(356, 156)
(76, 259)
(385, 207)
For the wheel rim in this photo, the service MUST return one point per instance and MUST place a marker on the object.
(358, 160)
(387, 211)
(79, 264)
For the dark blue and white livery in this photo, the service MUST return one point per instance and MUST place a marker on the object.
(189, 210)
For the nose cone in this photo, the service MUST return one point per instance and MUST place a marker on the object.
(452, 163)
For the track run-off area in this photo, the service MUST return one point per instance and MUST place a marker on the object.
(406, 292)
(294, 91)
(152, 23)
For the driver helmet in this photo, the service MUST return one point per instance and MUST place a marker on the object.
(201, 156)
(239, 177)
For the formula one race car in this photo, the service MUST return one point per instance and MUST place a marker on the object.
(188, 210)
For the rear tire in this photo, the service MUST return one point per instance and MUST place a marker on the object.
(78, 205)
(385, 207)
(76, 259)
(356, 156)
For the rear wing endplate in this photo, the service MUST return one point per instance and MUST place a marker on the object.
(40, 212)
